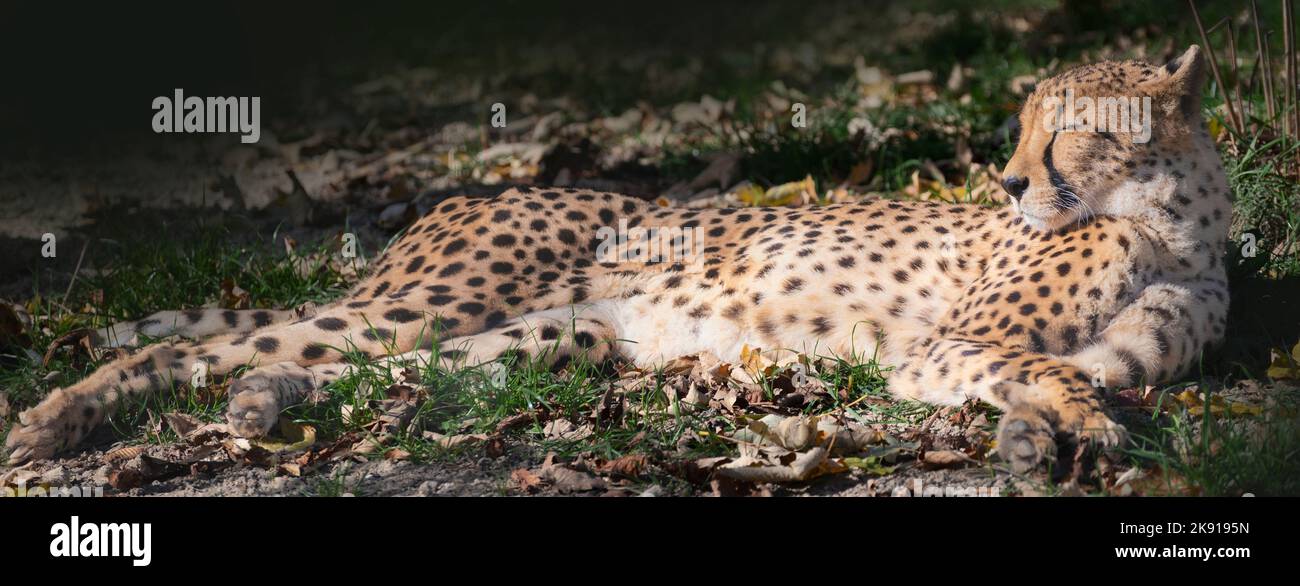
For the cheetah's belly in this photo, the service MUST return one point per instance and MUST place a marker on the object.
(649, 335)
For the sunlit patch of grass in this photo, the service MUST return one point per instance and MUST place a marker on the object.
(859, 389)
(148, 275)
(1266, 234)
(1222, 454)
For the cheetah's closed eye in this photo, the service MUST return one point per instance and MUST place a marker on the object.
(1108, 269)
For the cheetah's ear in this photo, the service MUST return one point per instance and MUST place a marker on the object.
(1179, 86)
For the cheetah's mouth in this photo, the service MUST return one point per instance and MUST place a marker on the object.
(1067, 209)
(1036, 221)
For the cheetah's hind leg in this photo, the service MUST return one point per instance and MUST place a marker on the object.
(552, 338)
(194, 323)
(259, 396)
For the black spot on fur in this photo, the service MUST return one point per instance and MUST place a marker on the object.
(495, 319)
(451, 269)
(471, 308)
(377, 334)
(455, 246)
(331, 324)
(401, 315)
(313, 351)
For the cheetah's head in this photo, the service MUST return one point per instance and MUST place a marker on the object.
(1087, 135)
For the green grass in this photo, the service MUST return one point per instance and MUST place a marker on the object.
(148, 275)
(1221, 454)
(1266, 234)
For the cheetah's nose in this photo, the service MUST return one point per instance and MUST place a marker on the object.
(1015, 186)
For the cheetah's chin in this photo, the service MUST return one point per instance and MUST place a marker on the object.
(1036, 222)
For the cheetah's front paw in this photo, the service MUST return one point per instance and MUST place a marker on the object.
(32, 442)
(1103, 433)
(45, 429)
(1025, 439)
(254, 407)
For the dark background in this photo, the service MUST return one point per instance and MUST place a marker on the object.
(77, 73)
(83, 72)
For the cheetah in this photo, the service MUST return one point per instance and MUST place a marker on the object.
(1106, 270)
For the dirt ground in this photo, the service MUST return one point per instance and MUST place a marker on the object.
(483, 476)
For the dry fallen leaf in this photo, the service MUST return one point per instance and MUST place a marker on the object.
(611, 408)
(526, 481)
(1193, 400)
(242, 450)
(794, 193)
(14, 323)
(694, 400)
(122, 454)
(522, 419)
(629, 466)
(566, 479)
(81, 341)
(566, 430)
(451, 441)
(233, 297)
(1285, 365)
(125, 478)
(208, 433)
(800, 432)
(860, 172)
(754, 362)
(291, 468)
(804, 466)
(936, 459)
(181, 423)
